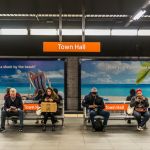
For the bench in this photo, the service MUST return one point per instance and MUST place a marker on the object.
(30, 107)
(117, 109)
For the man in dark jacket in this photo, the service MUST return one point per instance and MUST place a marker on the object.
(95, 106)
(12, 107)
(140, 104)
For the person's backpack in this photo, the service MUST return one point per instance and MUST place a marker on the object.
(98, 125)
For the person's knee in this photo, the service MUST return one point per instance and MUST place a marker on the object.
(147, 115)
(20, 112)
(137, 115)
(107, 113)
(92, 113)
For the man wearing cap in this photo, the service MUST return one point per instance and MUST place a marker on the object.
(140, 104)
(12, 107)
(95, 105)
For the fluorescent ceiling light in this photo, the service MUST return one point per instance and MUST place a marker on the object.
(139, 14)
(124, 32)
(143, 32)
(97, 32)
(14, 32)
(71, 32)
(43, 32)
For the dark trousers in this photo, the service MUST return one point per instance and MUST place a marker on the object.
(141, 120)
(5, 114)
(103, 113)
(48, 114)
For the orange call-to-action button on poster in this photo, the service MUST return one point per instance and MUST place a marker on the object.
(71, 47)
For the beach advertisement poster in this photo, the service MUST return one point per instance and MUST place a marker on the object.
(28, 76)
(114, 79)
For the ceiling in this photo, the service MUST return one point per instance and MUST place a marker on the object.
(103, 8)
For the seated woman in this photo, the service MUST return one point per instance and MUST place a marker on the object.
(140, 104)
(49, 96)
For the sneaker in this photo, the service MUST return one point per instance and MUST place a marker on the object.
(2, 130)
(139, 128)
(44, 128)
(20, 130)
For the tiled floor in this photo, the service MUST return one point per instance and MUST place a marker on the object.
(75, 137)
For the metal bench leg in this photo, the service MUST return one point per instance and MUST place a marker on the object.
(63, 122)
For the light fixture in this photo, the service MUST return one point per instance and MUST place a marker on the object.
(71, 32)
(144, 32)
(14, 32)
(124, 32)
(98, 32)
(139, 15)
(43, 32)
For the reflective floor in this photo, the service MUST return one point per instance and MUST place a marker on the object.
(75, 137)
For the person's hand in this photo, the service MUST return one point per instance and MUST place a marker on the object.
(8, 109)
(95, 106)
(46, 100)
(15, 110)
(50, 100)
(91, 106)
(137, 100)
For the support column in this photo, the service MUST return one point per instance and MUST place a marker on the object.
(72, 83)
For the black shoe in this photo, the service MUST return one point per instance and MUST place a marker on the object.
(44, 128)
(2, 130)
(53, 127)
(129, 121)
(20, 130)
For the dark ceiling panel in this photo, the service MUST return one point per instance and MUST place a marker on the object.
(70, 6)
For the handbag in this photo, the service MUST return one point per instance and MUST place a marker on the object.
(130, 110)
(38, 111)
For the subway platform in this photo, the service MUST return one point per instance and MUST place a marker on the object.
(74, 136)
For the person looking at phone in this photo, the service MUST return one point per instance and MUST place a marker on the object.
(140, 104)
(12, 107)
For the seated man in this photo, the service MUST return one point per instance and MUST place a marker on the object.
(140, 104)
(95, 106)
(12, 107)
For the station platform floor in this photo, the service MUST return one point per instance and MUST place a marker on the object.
(73, 136)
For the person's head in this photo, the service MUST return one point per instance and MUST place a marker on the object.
(7, 90)
(94, 91)
(49, 91)
(40, 92)
(55, 90)
(13, 92)
(139, 93)
(132, 92)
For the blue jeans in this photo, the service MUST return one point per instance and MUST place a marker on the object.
(141, 121)
(5, 114)
(103, 113)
